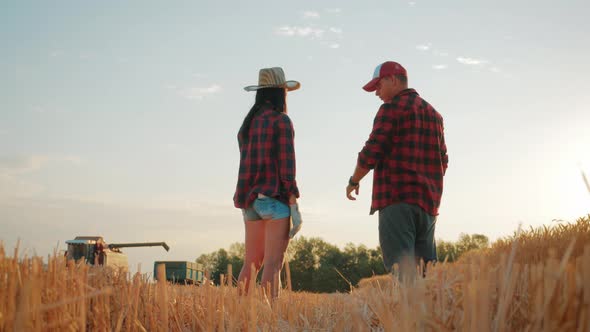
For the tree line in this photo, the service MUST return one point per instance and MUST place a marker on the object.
(318, 266)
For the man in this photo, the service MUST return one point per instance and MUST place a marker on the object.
(407, 151)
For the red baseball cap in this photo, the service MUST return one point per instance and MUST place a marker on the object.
(388, 68)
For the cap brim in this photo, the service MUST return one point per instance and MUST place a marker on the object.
(289, 85)
(372, 85)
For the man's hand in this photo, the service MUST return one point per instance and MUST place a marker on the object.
(350, 189)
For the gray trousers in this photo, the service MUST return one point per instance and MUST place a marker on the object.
(406, 231)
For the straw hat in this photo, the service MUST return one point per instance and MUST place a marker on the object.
(273, 78)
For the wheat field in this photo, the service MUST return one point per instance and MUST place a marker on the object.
(537, 280)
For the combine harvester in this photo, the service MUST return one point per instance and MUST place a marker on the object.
(95, 251)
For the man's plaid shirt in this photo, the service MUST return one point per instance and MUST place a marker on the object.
(407, 151)
(267, 159)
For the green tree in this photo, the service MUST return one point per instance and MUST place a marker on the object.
(446, 251)
(326, 278)
(207, 260)
(236, 258)
(216, 262)
(376, 262)
(302, 263)
(451, 251)
(318, 266)
(471, 242)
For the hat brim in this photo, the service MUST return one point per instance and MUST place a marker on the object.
(372, 85)
(289, 85)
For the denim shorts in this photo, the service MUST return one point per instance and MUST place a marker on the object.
(266, 208)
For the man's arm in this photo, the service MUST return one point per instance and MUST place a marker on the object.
(375, 147)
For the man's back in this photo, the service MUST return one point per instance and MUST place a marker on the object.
(414, 159)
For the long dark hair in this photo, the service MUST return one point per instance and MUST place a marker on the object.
(275, 96)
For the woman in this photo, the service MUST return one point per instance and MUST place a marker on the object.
(267, 191)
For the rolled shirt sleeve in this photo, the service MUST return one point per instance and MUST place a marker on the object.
(380, 136)
(286, 156)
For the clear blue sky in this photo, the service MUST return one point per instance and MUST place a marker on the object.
(120, 118)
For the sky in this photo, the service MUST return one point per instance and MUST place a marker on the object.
(119, 118)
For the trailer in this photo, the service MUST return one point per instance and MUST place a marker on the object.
(181, 272)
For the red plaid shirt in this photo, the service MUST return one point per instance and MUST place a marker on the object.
(407, 151)
(267, 159)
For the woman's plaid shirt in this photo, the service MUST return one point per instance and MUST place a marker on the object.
(407, 151)
(267, 159)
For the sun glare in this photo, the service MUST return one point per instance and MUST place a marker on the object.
(574, 191)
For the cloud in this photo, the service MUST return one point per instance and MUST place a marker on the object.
(56, 53)
(12, 168)
(212, 89)
(290, 31)
(440, 53)
(440, 67)
(19, 164)
(86, 56)
(336, 30)
(471, 61)
(412, 3)
(200, 93)
(427, 47)
(328, 36)
(495, 70)
(11, 186)
(175, 148)
(423, 47)
(311, 14)
(334, 10)
(46, 110)
(72, 160)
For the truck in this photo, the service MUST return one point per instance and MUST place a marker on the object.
(95, 251)
(182, 272)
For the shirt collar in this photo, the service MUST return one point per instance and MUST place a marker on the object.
(406, 92)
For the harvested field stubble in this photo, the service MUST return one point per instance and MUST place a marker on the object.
(535, 280)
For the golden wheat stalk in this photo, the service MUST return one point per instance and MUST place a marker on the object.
(586, 181)
(537, 280)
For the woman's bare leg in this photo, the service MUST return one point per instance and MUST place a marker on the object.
(255, 235)
(276, 242)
